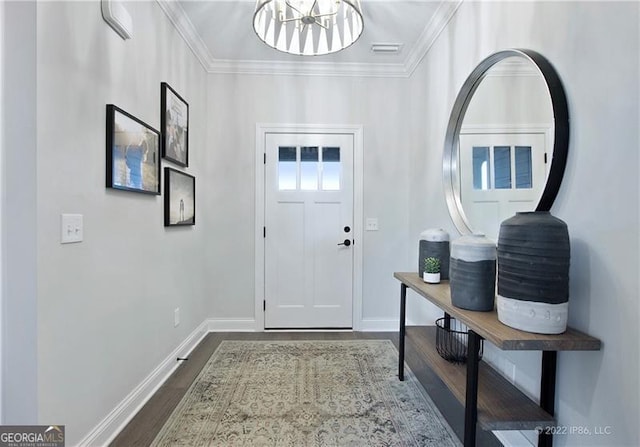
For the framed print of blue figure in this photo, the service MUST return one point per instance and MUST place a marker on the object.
(133, 153)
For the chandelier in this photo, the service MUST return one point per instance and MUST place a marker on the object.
(308, 27)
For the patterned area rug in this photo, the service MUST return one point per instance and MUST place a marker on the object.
(305, 393)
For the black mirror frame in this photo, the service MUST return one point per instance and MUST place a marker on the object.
(560, 138)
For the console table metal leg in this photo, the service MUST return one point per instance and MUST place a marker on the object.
(548, 392)
(471, 400)
(447, 321)
(403, 306)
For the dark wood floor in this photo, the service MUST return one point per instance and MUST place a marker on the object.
(144, 427)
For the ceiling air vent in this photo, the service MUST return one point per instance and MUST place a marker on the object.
(386, 48)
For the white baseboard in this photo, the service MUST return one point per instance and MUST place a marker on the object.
(120, 416)
(231, 325)
(249, 325)
(372, 325)
(512, 439)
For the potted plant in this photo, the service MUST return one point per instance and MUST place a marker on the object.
(431, 270)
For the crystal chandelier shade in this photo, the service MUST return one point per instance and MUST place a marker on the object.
(308, 27)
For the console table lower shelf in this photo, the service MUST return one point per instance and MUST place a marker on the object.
(501, 406)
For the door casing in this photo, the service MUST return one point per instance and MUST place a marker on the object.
(261, 131)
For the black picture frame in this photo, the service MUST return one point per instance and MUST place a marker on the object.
(174, 122)
(179, 198)
(133, 153)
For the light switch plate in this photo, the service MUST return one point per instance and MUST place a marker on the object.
(372, 224)
(71, 228)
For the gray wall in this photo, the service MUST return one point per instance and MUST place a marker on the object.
(594, 48)
(105, 306)
(19, 214)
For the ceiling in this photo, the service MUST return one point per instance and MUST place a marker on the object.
(220, 33)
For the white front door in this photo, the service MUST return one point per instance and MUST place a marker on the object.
(308, 230)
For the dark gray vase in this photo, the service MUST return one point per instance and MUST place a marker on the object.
(533, 272)
(434, 243)
(472, 275)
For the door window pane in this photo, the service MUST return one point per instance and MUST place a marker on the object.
(502, 166)
(287, 168)
(481, 177)
(331, 168)
(524, 178)
(309, 168)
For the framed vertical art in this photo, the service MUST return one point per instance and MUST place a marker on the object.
(133, 153)
(179, 198)
(174, 122)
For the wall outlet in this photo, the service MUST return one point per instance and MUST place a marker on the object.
(176, 317)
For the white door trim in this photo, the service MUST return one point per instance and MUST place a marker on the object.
(262, 130)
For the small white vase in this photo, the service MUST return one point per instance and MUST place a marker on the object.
(432, 278)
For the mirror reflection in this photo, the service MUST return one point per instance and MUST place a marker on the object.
(504, 146)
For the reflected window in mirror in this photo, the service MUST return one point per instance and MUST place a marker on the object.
(503, 169)
(481, 171)
(502, 166)
(524, 179)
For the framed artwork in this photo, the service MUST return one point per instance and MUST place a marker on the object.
(133, 153)
(174, 122)
(179, 198)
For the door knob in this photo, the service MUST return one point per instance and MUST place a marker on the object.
(346, 242)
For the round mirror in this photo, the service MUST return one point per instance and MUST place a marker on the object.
(507, 140)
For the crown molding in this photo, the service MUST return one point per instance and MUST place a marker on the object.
(307, 68)
(434, 28)
(430, 34)
(185, 28)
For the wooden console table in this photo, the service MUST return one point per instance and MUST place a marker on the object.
(489, 399)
